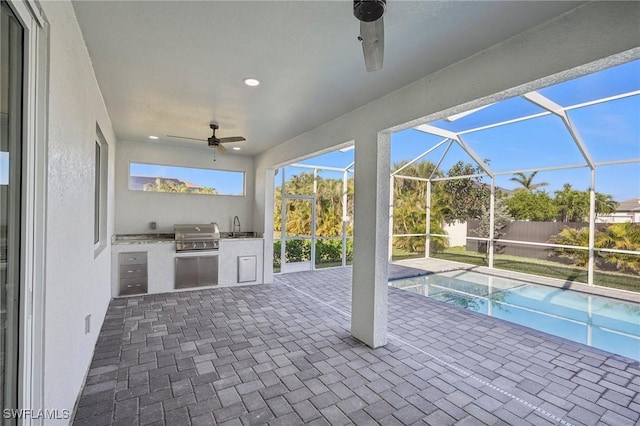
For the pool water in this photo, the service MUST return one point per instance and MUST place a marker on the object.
(605, 323)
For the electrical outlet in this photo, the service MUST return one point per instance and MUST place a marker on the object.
(153, 225)
(87, 324)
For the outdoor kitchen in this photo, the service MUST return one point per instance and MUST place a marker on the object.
(194, 256)
(176, 233)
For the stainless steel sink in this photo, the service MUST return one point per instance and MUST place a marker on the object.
(240, 235)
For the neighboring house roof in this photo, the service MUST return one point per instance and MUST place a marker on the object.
(191, 185)
(137, 183)
(630, 205)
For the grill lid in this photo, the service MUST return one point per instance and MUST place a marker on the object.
(202, 232)
(197, 237)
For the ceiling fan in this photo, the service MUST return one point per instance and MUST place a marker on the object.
(214, 141)
(369, 13)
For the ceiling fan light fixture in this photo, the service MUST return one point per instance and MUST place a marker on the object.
(251, 82)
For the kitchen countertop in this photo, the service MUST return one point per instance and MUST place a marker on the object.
(142, 238)
(170, 238)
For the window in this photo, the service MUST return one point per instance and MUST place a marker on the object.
(100, 192)
(186, 180)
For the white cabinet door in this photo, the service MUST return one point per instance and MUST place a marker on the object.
(247, 269)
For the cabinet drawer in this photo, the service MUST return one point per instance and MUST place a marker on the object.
(133, 258)
(133, 270)
(133, 286)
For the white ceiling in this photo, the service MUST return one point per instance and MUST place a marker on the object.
(173, 67)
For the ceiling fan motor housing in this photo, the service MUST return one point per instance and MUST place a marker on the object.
(213, 141)
(369, 10)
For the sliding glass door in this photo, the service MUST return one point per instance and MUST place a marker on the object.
(11, 74)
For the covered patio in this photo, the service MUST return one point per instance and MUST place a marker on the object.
(98, 86)
(283, 354)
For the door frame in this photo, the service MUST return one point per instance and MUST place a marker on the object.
(33, 207)
(298, 266)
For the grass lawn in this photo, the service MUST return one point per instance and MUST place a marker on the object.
(540, 267)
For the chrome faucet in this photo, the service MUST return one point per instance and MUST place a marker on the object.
(236, 223)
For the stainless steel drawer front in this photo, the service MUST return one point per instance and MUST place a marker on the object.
(133, 273)
(133, 258)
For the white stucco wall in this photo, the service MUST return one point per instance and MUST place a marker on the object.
(457, 233)
(76, 283)
(135, 209)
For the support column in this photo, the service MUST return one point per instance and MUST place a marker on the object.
(283, 219)
(492, 221)
(427, 248)
(592, 227)
(391, 201)
(345, 199)
(267, 226)
(371, 240)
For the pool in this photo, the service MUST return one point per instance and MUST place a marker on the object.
(605, 323)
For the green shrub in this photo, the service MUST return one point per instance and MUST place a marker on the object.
(297, 251)
(328, 251)
(277, 247)
(620, 236)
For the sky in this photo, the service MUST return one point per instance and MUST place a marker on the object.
(610, 131)
(4, 168)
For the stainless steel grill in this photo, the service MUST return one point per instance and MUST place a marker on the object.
(197, 237)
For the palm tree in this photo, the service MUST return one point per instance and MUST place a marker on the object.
(605, 204)
(205, 190)
(622, 236)
(166, 185)
(527, 181)
(573, 237)
(329, 207)
(573, 205)
(410, 204)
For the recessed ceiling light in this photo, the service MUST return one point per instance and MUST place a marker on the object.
(236, 148)
(251, 82)
(153, 137)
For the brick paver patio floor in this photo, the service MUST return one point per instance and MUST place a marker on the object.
(282, 354)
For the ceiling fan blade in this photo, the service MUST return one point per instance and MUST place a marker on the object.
(372, 35)
(222, 149)
(232, 139)
(184, 137)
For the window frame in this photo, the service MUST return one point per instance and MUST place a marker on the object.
(101, 163)
(241, 172)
